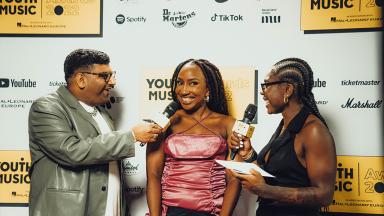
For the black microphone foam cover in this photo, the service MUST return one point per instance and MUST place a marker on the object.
(171, 109)
(249, 113)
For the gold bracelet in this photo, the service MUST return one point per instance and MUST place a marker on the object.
(247, 156)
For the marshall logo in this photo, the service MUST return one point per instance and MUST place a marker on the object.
(359, 104)
(179, 18)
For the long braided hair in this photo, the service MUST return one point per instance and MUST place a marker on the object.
(217, 100)
(297, 72)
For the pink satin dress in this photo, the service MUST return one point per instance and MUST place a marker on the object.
(191, 177)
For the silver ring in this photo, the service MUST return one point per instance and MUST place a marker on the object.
(154, 136)
(153, 126)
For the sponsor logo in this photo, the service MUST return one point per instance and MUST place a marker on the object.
(20, 25)
(268, 11)
(56, 83)
(375, 175)
(120, 19)
(334, 20)
(334, 4)
(360, 82)
(159, 84)
(178, 18)
(371, 175)
(15, 178)
(131, 2)
(226, 18)
(4, 83)
(19, 9)
(15, 103)
(358, 104)
(14, 194)
(136, 189)
(268, 17)
(112, 100)
(344, 176)
(321, 102)
(359, 184)
(318, 83)
(132, 167)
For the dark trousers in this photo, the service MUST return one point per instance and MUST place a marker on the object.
(177, 211)
(269, 210)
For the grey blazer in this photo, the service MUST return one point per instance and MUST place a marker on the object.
(69, 171)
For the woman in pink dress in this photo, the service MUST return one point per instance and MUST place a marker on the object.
(183, 177)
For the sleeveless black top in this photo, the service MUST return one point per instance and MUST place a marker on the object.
(283, 162)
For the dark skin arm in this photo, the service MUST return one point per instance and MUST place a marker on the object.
(315, 149)
(155, 165)
(233, 189)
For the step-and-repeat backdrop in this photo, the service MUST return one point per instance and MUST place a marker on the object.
(147, 39)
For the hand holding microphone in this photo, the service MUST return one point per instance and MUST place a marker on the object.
(244, 127)
(160, 120)
(146, 132)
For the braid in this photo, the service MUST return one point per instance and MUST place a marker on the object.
(297, 72)
(217, 99)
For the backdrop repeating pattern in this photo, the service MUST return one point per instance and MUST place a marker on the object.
(144, 34)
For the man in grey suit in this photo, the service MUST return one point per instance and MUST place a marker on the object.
(75, 150)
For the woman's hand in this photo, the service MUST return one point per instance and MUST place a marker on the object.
(240, 142)
(250, 182)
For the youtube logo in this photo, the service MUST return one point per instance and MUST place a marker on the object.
(4, 83)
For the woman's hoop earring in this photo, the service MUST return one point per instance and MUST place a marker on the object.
(285, 99)
(207, 99)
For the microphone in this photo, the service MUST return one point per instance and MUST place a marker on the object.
(162, 118)
(243, 127)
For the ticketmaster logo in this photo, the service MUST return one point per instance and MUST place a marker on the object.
(360, 82)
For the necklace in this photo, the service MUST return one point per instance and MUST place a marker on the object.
(283, 128)
(94, 113)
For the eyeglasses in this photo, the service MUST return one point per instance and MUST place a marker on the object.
(265, 85)
(106, 75)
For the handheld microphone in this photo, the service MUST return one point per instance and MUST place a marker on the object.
(162, 118)
(243, 127)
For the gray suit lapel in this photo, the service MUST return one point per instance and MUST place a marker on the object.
(74, 104)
